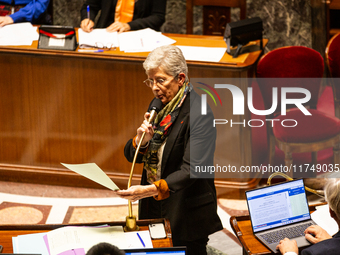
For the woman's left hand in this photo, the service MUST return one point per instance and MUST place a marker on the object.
(119, 27)
(137, 192)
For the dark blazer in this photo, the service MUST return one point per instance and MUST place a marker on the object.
(326, 247)
(192, 205)
(147, 13)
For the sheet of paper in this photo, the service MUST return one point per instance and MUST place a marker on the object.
(134, 242)
(322, 217)
(30, 244)
(97, 36)
(210, 54)
(143, 40)
(18, 34)
(94, 173)
(64, 239)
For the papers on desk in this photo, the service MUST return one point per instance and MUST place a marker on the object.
(143, 40)
(78, 240)
(322, 217)
(210, 54)
(18, 34)
(96, 37)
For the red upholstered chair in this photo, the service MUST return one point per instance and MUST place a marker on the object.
(333, 63)
(312, 133)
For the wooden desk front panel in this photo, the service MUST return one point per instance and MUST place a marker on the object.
(73, 110)
(78, 108)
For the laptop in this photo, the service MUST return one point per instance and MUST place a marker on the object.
(279, 211)
(178, 250)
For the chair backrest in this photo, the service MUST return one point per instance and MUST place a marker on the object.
(333, 56)
(333, 63)
(216, 14)
(290, 62)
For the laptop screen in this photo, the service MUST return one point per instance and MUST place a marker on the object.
(157, 251)
(277, 205)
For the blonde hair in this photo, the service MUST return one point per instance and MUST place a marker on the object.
(170, 58)
(332, 194)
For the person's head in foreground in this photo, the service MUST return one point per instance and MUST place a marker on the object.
(167, 72)
(315, 234)
(332, 193)
(105, 249)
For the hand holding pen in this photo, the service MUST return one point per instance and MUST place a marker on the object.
(87, 24)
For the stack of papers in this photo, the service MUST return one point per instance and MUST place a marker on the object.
(78, 240)
(143, 40)
(18, 34)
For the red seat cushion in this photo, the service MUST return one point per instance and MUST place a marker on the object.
(310, 128)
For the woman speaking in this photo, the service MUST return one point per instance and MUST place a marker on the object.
(179, 139)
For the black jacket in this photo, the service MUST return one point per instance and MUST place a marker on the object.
(326, 247)
(147, 13)
(192, 205)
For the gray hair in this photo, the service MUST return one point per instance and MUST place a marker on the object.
(332, 192)
(169, 58)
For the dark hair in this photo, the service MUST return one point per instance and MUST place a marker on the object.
(105, 249)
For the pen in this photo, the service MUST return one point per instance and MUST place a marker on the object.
(141, 240)
(88, 12)
(90, 50)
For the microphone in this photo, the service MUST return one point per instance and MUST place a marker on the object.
(155, 107)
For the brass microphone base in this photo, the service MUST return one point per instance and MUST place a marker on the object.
(131, 224)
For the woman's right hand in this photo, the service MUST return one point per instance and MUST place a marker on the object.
(87, 25)
(147, 128)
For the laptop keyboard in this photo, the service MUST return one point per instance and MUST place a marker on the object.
(291, 232)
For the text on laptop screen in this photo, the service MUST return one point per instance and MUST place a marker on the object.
(277, 205)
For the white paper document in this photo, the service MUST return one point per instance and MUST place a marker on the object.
(97, 37)
(30, 243)
(210, 54)
(18, 34)
(143, 40)
(322, 217)
(134, 242)
(72, 238)
(94, 173)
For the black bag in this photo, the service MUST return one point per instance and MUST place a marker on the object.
(57, 38)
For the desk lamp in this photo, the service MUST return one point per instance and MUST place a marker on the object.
(131, 224)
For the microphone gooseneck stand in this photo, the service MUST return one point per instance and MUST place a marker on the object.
(131, 223)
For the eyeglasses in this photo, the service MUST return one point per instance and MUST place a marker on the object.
(103, 46)
(158, 82)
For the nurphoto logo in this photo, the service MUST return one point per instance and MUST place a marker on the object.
(239, 103)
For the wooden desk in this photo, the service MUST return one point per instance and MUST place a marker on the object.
(8, 231)
(76, 107)
(241, 226)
